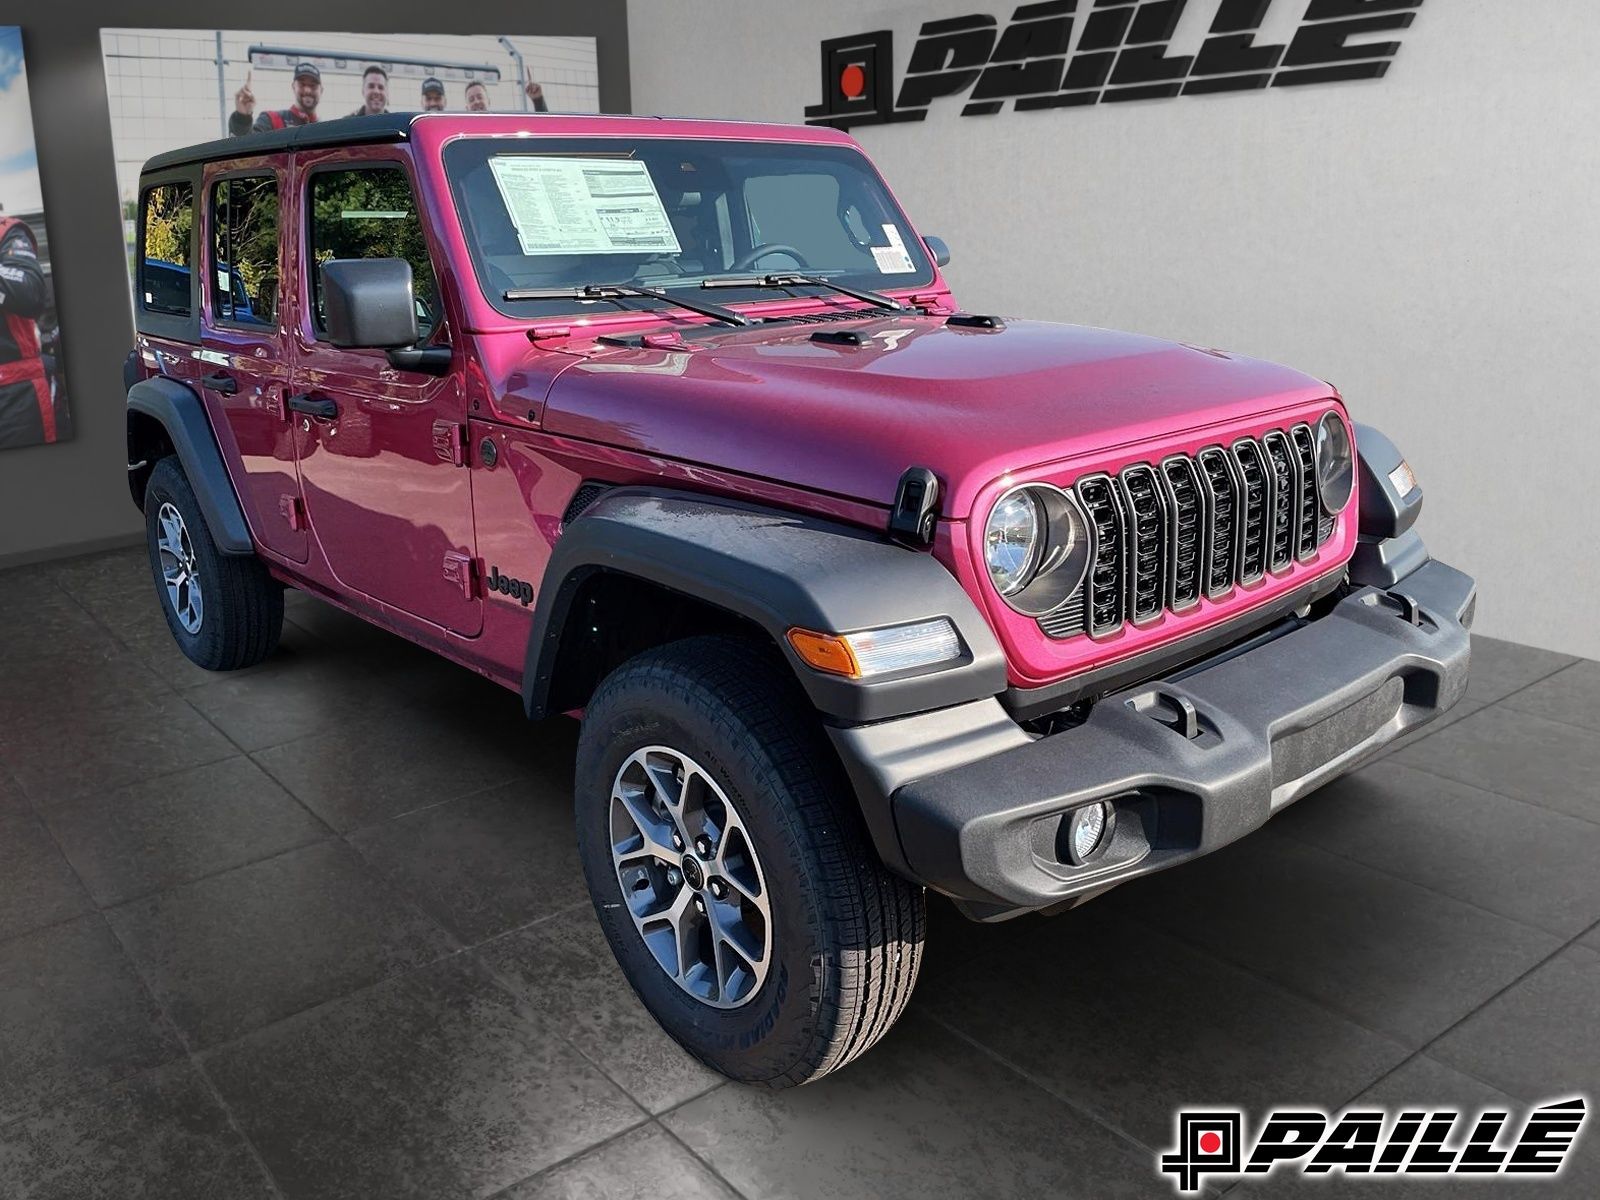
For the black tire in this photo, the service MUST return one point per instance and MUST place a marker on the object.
(242, 617)
(847, 934)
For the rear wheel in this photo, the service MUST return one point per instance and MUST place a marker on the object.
(224, 611)
(730, 868)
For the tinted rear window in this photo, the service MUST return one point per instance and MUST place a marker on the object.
(165, 275)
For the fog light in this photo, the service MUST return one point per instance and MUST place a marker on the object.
(1088, 829)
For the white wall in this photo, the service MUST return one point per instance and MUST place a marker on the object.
(1430, 242)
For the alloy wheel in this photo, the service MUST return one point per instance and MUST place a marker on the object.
(690, 877)
(178, 571)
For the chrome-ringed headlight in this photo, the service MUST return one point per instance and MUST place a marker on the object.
(1336, 463)
(1036, 547)
(1012, 539)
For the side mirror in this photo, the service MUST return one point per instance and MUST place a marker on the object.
(368, 303)
(937, 248)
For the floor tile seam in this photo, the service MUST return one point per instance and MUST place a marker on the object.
(1577, 661)
(541, 1022)
(1128, 1140)
(209, 875)
(260, 1031)
(410, 812)
(1417, 883)
(120, 641)
(541, 919)
(1322, 1004)
(1424, 1050)
(1494, 791)
(570, 1158)
(75, 797)
(192, 1056)
(699, 1158)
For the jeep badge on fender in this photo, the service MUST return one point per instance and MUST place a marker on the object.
(855, 594)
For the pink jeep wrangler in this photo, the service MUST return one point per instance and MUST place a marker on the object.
(675, 426)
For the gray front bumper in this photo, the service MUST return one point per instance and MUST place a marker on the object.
(1191, 763)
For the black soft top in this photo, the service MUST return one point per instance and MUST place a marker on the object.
(341, 131)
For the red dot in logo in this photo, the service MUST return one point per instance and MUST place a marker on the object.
(853, 81)
(1210, 1143)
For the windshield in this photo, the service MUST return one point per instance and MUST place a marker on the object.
(672, 213)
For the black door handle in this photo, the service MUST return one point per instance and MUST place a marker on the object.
(314, 407)
(221, 381)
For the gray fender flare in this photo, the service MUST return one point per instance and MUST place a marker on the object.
(1388, 548)
(778, 570)
(182, 415)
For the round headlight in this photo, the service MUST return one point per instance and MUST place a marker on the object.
(1336, 466)
(1012, 540)
(1037, 548)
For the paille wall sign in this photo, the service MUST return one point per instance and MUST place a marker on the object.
(1121, 54)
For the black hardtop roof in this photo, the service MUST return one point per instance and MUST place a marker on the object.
(341, 131)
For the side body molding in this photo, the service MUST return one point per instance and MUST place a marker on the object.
(180, 412)
(778, 570)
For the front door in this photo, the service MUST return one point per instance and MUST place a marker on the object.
(383, 475)
(245, 359)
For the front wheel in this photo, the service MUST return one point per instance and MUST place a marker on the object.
(731, 870)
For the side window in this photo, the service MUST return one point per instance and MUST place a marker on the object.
(244, 250)
(370, 213)
(167, 221)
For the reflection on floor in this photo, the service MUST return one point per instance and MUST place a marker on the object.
(317, 929)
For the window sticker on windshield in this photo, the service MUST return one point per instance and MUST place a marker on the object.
(583, 206)
(892, 259)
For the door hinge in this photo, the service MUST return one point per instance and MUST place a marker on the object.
(293, 510)
(460, 570)
(450, 442)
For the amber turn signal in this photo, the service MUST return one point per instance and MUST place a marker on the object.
(825, 652)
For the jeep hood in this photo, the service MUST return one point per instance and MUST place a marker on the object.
(971, 404)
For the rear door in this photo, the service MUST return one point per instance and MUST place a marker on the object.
(384, 475)
(244, 356)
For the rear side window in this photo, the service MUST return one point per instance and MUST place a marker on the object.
(370, 213)
(244, 250)
(167, 223)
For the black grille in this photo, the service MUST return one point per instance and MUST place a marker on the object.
(1103, 507)
(1147, 531)
(1186, 529)
(1066, 621)
(1307, 538)
(1218, 474)
(1285, 499)
(1255, 505)
(1202, 525)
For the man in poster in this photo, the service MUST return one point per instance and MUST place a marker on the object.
(27, 412)
(307, 92)
(374, 92)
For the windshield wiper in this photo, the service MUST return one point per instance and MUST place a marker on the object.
(790, 279)
(613, 291)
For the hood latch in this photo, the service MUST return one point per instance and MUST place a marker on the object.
(915, 515)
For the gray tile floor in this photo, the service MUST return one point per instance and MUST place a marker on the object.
(317, 929)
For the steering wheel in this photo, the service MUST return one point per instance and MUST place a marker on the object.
(745, 261)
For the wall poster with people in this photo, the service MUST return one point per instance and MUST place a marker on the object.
(170, 88)
(33, 390)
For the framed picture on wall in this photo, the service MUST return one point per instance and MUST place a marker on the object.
(170, 88)
(33, 389)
